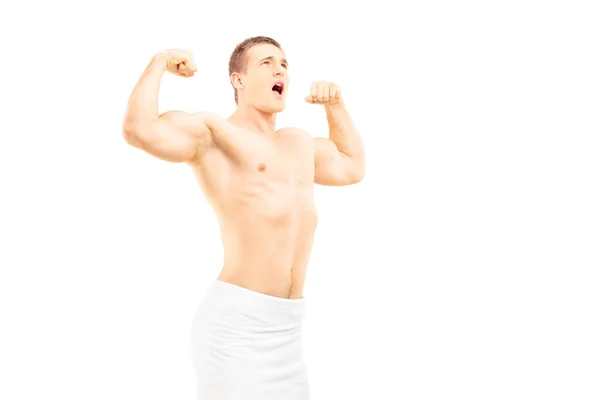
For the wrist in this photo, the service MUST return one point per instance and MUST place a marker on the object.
(337, 105)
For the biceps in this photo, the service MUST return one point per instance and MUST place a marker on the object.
(169, 144)
(332, 168)
(175, 137)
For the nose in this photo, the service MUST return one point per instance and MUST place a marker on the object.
(278, 71)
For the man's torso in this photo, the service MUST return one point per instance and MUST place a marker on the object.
(262, 192)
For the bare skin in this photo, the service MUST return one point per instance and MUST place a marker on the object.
(259, 180)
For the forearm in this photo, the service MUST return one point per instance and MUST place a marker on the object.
(342, 131)
(142, 108)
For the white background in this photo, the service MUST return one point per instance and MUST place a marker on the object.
(464, 266)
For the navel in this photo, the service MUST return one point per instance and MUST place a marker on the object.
(262, 167)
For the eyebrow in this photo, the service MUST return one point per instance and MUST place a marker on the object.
(273, 58)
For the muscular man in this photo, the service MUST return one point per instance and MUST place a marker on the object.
(259, 180)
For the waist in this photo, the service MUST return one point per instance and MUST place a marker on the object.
(250, 307)
(275, 282)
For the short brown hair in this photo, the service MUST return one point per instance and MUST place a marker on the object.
(238, 61)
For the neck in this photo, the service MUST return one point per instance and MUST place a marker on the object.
(251, 118)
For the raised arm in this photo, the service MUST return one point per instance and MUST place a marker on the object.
(339, 159)
(174, 136)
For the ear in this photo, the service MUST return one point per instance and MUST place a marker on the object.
(236, 81)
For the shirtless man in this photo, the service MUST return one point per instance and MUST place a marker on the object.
(258, 179)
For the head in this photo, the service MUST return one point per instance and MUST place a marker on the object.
(258, 72)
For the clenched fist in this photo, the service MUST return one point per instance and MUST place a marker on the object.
(322, 92)
(178, 62)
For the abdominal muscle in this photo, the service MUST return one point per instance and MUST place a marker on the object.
(267, 232)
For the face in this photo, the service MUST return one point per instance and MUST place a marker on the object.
(265, 83)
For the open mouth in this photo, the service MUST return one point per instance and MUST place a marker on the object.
(278, 88)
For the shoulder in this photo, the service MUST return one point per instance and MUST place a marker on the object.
(294, 133)
(298, 138)
(318, 143)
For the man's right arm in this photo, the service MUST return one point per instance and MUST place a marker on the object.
(174, 136)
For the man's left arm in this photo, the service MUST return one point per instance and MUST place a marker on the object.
(339, 159)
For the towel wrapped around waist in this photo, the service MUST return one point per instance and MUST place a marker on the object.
(247, 345)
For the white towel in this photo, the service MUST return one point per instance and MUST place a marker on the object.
(247, 345)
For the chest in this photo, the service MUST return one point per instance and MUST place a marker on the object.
(286, 162)
(278, 180)
(271, 179)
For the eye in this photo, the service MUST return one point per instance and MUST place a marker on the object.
(284, 66)
(265, 62)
